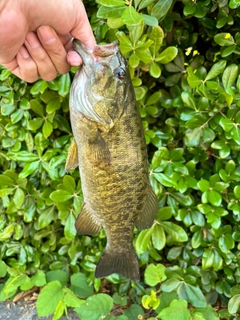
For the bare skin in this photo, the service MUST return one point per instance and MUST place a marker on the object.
(36, 36)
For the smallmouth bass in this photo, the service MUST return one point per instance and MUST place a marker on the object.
(110, 150)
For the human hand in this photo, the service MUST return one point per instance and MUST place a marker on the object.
(36, 38)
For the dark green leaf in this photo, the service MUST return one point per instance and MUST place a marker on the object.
(161, 8)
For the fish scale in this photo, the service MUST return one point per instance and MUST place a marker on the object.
(110, 149)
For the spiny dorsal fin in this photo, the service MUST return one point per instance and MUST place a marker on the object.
(72, 158)
(146, 218)
(86, 223)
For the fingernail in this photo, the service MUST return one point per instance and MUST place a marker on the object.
(32, 41)
(46, 34)
(24, 53)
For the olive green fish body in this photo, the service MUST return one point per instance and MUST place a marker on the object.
(112, 157)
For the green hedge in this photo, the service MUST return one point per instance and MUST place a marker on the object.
(183, 58)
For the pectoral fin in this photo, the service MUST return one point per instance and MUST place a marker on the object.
(72, 158)
(98, 152)
(146, 218)
(86, 223)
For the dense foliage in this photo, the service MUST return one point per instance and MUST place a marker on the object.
(183, 57)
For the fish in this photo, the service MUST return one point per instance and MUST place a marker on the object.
(109, 148)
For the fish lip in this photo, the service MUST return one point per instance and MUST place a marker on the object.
(91, 55)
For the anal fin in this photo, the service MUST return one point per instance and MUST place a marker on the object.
(146, 218)
(72, 158)
(86, 223)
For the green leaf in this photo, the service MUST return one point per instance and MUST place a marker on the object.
(113, 13)
(192, 79)
(208, 259)
(175, 231)
(156, 36)
(134, 312)
(235, 133)
(80, 286)
(154, 274)
(53, 105)
(70, 299)
(208, 313)
(216, 69)
(59, 275)
(229, 76)
(226, 243)
(236, 191)
(203, 185)
(46, 217)
(70, 230)
(5, 192)
(35, 123)
(188, 99)
(165, 180)
(167, 55)
(145, 3)
(15, 283)
(61, 307)
(60, 196)
(39, 279)
(37, 107)
(95, 307)
(165, 213)
(155, 70)
(29, 168)
(133, 60)
(18, 198)
(39, 87)
(224, 39)
(234, 304)
(161, 8)
(150, 21)
(131, 17)
(226, 124)
(47, 129)
(3, 269)
(49, 298)
(177, 310)
(125, 43)
(64, 83)
(193, 137)
(195, 296)
(111, 3)
(143, 240)
(170, 285)
(158, 237)
(214, 198)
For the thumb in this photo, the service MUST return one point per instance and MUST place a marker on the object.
(82, 29)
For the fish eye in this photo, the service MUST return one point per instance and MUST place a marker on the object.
(120, 73)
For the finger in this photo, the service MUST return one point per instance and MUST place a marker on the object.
(13, 28)
(74, 59)
(82, 30)
(54, 46)
(45, 66)
(23, 66)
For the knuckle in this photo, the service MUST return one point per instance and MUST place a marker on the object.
(49, 76)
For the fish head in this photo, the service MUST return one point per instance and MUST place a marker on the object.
(100, 85)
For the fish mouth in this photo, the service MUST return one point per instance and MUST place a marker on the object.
(93, 55)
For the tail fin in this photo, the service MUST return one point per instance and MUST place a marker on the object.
(124, 263)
